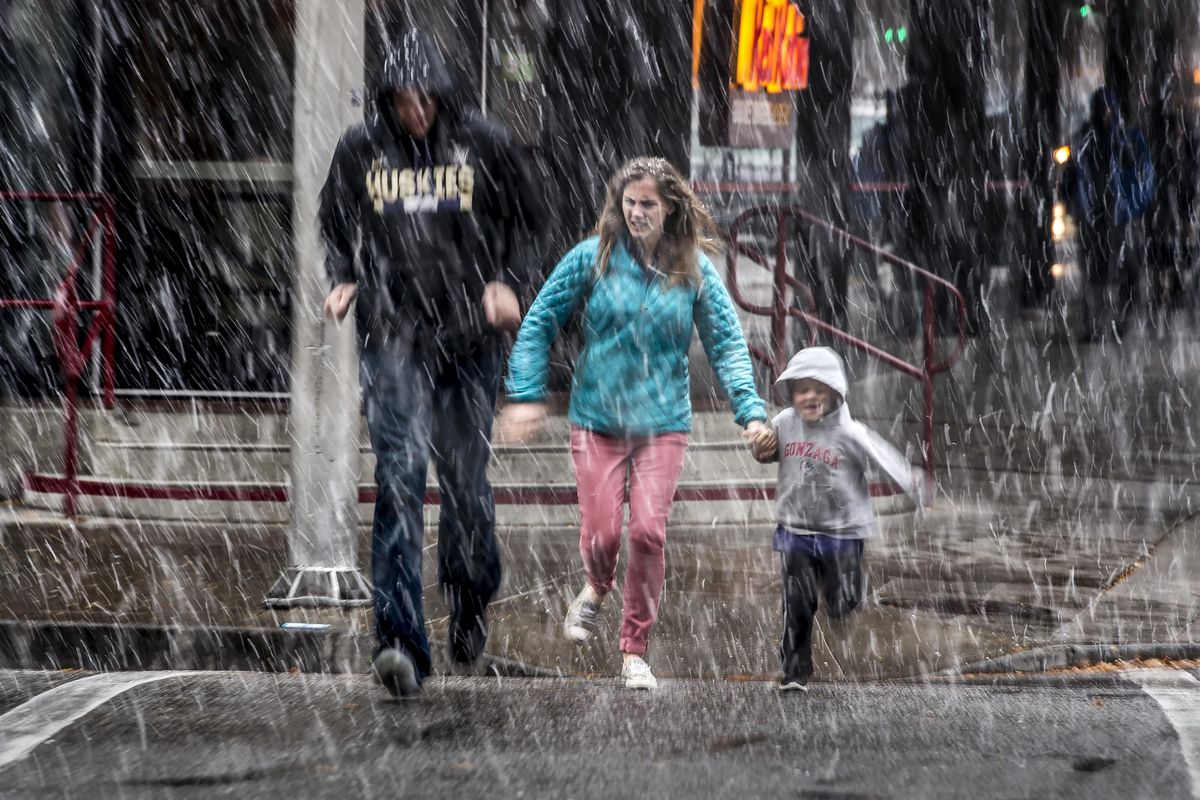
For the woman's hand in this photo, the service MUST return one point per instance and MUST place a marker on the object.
(519, 422)
(501, 307)
(763, 442)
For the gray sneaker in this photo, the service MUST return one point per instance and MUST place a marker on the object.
(394, 670)
(581, 617)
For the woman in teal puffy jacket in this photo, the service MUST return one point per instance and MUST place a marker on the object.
(643, 281)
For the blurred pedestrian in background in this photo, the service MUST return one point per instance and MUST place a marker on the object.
(1108, 185)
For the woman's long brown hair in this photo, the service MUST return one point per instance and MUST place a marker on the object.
(688, 228)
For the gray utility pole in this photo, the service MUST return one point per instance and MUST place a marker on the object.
(324, 417)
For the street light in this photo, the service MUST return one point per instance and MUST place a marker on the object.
(1062, 154)
(1058, 227)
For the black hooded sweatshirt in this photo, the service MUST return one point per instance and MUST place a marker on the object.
(430, 220)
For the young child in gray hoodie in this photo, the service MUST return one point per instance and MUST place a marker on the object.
(822, 500)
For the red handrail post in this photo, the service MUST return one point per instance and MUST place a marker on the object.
(65, 307)
(71, 446)
(779, 311)
(108, 344)
(66, 319)
(927, 380)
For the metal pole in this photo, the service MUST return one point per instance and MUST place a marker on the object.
(483, 60)
(99, 367)
(780, 307)
(70, 446)
(927, 382)
(108, 296)
(324, 412)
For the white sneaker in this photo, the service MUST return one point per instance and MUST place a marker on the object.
(581, 616)
(637, 675)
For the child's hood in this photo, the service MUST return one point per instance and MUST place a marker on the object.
(820, 364)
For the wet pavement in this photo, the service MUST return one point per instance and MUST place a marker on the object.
(962, 584)
(186, 735)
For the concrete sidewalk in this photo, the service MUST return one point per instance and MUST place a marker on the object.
(975, 578)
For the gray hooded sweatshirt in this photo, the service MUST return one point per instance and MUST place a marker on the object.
(823, 466)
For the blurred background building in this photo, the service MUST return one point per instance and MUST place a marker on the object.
(930, 125)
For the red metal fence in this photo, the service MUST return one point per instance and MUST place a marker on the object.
(65, 308)
(781, 309)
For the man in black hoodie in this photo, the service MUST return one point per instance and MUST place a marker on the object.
(426, 218)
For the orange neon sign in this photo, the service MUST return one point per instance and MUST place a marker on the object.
(772, 51)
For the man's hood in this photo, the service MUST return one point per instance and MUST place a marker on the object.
(413, 62)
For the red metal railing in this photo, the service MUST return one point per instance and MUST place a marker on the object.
(780, 310)
(65, 308)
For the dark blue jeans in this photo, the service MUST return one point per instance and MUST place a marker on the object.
(418, 408)
(814, 567)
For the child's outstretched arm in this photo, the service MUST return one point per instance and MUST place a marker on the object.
(891, 462)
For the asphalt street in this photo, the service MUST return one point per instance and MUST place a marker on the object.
(230, 734)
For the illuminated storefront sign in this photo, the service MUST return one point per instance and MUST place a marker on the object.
(772, 51)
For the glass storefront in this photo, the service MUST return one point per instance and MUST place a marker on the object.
(206, 275)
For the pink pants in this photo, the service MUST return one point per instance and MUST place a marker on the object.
(653, 464)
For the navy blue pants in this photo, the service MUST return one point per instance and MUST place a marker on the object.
(815, 567)
(417, 409)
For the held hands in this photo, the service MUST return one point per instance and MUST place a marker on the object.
(519, 422)
(763, 442)
(337, 303)
(501, 308)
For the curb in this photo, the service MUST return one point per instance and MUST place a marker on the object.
(1058, 656)
(108, 647)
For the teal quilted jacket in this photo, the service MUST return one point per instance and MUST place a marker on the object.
(632, 376)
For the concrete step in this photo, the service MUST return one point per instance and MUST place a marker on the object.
(541, 463)
(188, 423)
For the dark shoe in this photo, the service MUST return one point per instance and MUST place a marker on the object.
(394, 670)
(468, 633)
(483, 667)
(787, 684)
